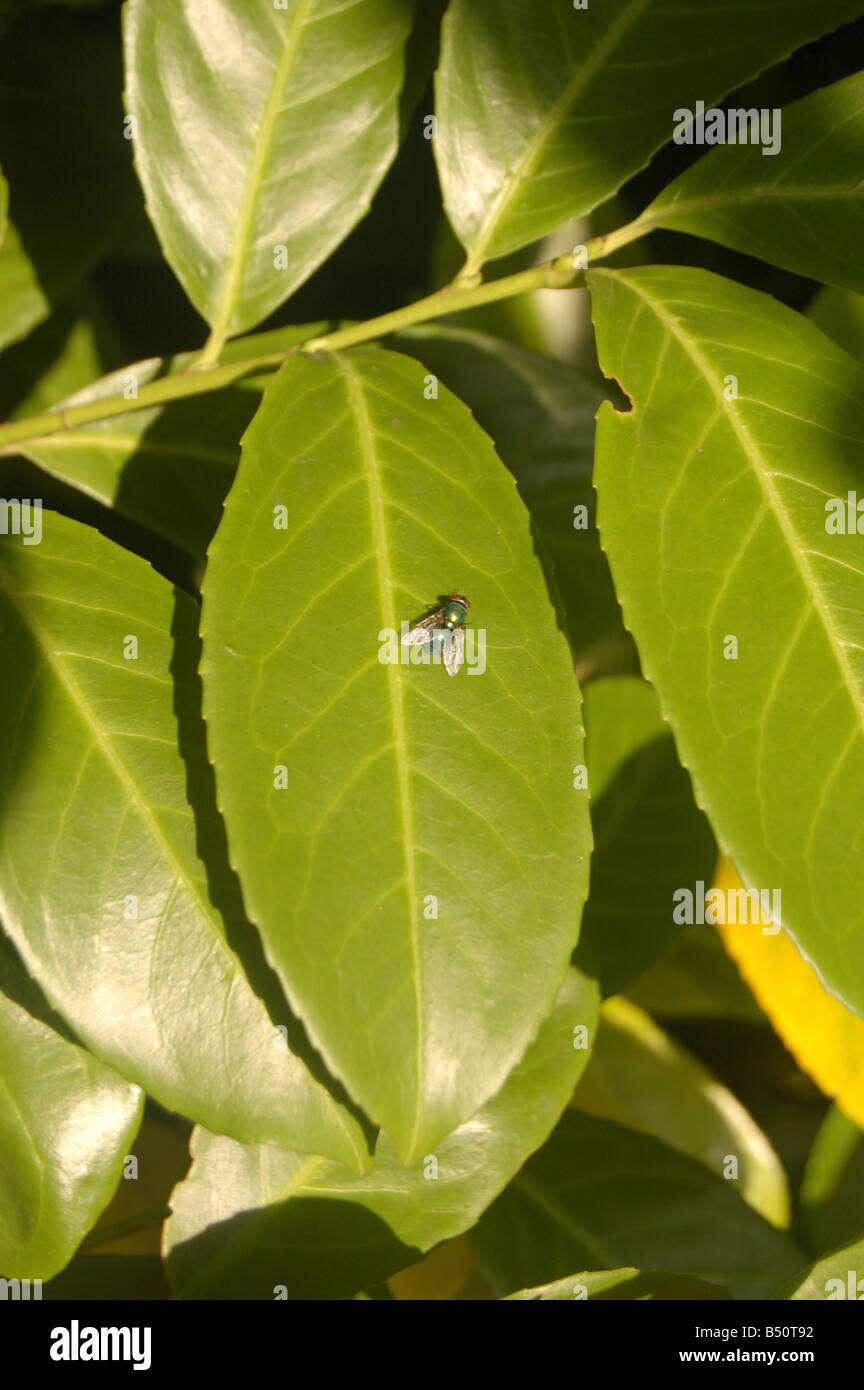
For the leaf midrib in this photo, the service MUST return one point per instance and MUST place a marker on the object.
(396, 700)
(527, 160)
(251, 190)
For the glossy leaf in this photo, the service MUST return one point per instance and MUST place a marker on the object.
(801, 208)
(66, 1124)
(60, 131)
(544, 111)
(247, 1218)
(610, 1284)
(411, 846)
(640, 1077)
(598, 1195)
(393, 827)
(825, 1038)
(262, 135)
(101, 886)
(649, 836)
(167, 467)
(746, 422)
(540, 417)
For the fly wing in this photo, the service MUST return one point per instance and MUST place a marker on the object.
(454, 651)
(423, 631)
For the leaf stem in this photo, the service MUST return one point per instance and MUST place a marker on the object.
(601, 246)
(557, 274)
(201, 376)
(194, 381)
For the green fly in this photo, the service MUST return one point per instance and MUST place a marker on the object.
(444, 627)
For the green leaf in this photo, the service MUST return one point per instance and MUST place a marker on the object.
(169, 466)
(802, 209)
(743, 552)
(598, 1195)
(64, 354)
(544, 111)
(96, 827)
(24, 302)
(839, 1275)
(66, 1125)
(840, 314)
(411, 846)
(695, 979)
(638, 1076)
(262, 135)
(247, 1218)
(540, 417)
(831, 1200)
(649, 836)
(630, 1284)
(65, 159)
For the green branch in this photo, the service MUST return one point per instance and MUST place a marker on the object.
(199, 377)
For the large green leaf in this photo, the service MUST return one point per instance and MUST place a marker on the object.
(540, 417)
(545, 110)
(649, 836)
(96, 827)
(713, 514)
(417, 867)
(169, 466)
(802, 208)
(600, 1196)
(66, 1124)
(248, 1218)
(640, 1077)
(262, 134)
(65, 159)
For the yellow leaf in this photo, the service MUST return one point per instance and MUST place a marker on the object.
(825, 1038)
